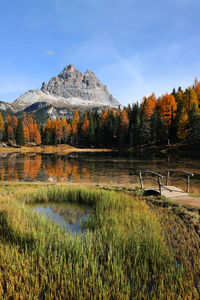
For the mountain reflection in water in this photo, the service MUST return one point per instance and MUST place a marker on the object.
(105, 168)
(69, 216)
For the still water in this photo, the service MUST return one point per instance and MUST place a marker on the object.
(69, 216)
(101, 168)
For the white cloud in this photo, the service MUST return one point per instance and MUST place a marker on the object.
(49, 53)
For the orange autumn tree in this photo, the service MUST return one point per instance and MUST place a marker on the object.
(167, 105)
(26, 134)
(75, 124)
(1, 123)
(1, 127)
(148, 105)
(197, 88)
(124, 123)
(104, 116)
(37, 137)
(59, 131)
(85, 128)
(76, 116)
(8, 128)
(182, 124)
(85, 125)
(74, 127)
(8, 119)
(48, 125)
(189, 99)
(31, 132)
(66, 128)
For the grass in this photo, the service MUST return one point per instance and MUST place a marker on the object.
(61, 149)
(130, 249)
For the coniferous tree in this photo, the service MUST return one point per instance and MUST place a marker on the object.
(194, 125)
(47, 137)
(172, 134)
(98, 133)
(91, 131)
(143, 131)
(157, 128)
(135, 131)
(20, 139)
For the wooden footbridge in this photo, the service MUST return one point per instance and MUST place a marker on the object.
(165, 190)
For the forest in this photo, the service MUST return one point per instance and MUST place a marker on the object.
(166, 120)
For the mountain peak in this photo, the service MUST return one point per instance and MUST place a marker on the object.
(70, 89)
(69, 68)
(69, 72)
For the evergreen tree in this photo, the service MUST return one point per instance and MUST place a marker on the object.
(135, 129)
(194, 125)
(143, 132)
(46, 137)
(172, 129)
(161, 137)
(91, 131)
(98, 132)
(157, 131)
(20, 140)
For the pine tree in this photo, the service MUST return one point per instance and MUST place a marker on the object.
(190, 98)
(157, 128)
(20, 140)
(172, 134)
(91, 131)
(47, 137)
(143, 131)
(84, 130)
(194, 125)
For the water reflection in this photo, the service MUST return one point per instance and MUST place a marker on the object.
(105, 168)
(70, 217)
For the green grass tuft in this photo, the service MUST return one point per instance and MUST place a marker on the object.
(128, 251)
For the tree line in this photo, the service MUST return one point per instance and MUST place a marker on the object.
(168, 119)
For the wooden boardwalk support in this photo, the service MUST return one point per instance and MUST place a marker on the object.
(180, 171)
(166, 190)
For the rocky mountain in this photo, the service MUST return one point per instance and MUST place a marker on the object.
(5, 109)
(70, 89)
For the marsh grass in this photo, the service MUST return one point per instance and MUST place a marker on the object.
(129, 249)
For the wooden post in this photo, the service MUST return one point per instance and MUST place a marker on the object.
(188, 184)
(167, 179)
(160, 186)
(141, 182)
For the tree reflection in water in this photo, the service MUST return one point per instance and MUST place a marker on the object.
(103, 168)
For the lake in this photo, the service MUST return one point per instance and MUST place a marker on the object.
(99, 168)
(69, 216)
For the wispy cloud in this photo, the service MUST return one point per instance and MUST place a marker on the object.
(49, 53)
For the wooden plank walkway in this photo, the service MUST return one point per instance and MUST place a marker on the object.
(167, 191)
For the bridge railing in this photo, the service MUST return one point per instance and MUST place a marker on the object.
(158, 180)
(187, 181)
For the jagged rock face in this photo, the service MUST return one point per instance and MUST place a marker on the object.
(5, 106)
(70, 88)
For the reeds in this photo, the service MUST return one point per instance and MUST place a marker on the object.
(129, 250)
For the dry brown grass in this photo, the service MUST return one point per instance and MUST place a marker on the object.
(61, 149)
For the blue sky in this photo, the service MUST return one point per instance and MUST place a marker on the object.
(135, 47)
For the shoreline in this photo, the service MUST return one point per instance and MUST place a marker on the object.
(61, 149)
(66, 149)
